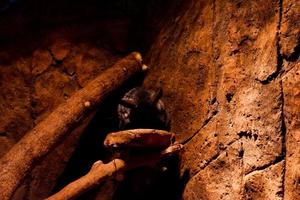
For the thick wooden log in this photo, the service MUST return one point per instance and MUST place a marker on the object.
(139, 138)
(18, 162)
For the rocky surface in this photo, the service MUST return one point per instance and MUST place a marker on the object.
(230, 76)
(291, 109)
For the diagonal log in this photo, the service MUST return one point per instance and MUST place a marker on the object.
(101, 172)
(19, 161)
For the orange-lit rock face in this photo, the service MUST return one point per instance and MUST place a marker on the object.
(226, 90)
(229, 71)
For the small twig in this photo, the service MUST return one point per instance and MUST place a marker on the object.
(100, 172)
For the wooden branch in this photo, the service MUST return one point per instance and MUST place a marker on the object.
(143, 138)
(18, 162)
(100, 172)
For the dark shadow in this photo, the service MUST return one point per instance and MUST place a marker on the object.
(120, 25)
(160, 183)
(185, 177)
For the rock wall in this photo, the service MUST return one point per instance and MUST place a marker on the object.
(230, 74)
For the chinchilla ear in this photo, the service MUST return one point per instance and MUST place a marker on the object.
(160, 106)
(154, 95)
(123, 115)
(130, 99)
(129, 103)
(162, 114)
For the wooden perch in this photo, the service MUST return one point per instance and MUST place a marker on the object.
(18, 162)
(144, 138)
(100, 172)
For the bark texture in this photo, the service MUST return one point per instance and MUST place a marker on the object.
(18, 162)
(48, 51)
(101, 172)
(27, 98)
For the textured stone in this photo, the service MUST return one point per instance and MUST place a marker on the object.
(265, 184)
(240, 96)
(290, 32)
(6, 143)
(60, 49)
(15, 119)
(291, 89)
(93, 62)
(51, 89)
(41, 60)
(86, 62)
(221, 179)
(253, 117)
(180, 64)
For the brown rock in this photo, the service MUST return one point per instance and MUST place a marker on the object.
(93, 61)
(290, 32)
(221, 179)
(291, 109)
(265, 184)
(15, 119)
(86, 62)
(180, 64)
(60, 49)
(6, 143)
(23, 64)
(51, 89)
(41, 60)
(234, 44)
(252, 115)
(71, 62)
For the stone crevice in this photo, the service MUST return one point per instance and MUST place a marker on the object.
(280, 58)
(279, 67)
(283, 132)
(58, 62)
(277, 160)
(243, 191)
(295, 55)
(203, 125)
(215, 157)
(209, 118)
(287, 71)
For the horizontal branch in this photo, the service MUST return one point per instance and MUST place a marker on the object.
(143, 138)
